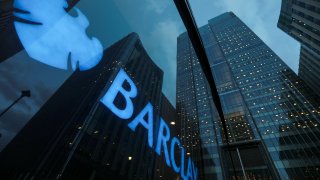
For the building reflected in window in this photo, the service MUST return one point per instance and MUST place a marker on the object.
(75, 135)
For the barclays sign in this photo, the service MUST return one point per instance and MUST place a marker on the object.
(51, 36)
(165, 142)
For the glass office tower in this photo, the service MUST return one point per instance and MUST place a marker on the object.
(272, 116)
(167, 112)
(75, 136)
(301, 20)
(195, 112)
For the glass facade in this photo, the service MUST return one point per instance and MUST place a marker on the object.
(301, 19)
(195, 111)
(263, 102)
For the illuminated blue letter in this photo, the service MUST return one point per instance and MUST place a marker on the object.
(174, 141)
(195, 172)
(116, 88)
(163, 139)
(148, 110)
(190, 167)
(182, 174)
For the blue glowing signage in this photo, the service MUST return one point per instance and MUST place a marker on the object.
(165, 143)
(52, 36)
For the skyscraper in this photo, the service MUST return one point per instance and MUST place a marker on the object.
(168, 112)
(272, 116)
(301, 20)
(75, 136)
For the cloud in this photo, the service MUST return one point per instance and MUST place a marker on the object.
(253, 14)
(156, 5)
(6, 137)
(12, 122)
(162, 44)
(21, 73)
